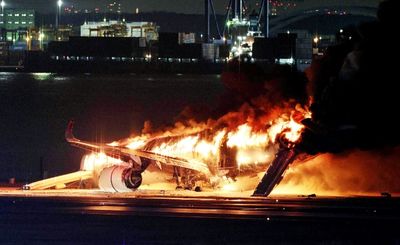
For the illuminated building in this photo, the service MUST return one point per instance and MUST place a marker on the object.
(15, 23)
(13, 19)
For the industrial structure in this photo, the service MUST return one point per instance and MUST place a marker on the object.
(245, 37)
(250, 40)
(114, 28)
(247, 34)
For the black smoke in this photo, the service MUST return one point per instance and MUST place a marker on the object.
(253, 94)
(354, 86)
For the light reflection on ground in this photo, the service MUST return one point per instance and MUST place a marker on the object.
(145, 193)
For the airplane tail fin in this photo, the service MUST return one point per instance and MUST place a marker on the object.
(69, 136)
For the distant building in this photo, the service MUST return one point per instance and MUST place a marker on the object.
(14, 19)
(186, 37)
(303, 49)
(14, 26)
(294, 48)
(113, 28)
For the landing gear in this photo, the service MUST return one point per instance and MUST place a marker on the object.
(134, 180)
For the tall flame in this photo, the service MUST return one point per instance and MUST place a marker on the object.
(98, 161)
(250, 145)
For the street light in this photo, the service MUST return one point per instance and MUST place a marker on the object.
(28, 40)
(59, 4)
(41, 37)
(316, 41)
(2, 4)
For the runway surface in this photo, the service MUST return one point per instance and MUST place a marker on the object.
(153, 217)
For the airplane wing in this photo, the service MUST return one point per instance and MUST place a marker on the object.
(172, 161)
(125, 153)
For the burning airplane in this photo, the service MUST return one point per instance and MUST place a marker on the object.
(210, 155)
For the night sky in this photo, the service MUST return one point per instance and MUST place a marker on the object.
(182, 6)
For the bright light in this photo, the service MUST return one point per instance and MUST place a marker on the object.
(3, 4)
(240, 50)
(289, 61)
(341, 30)
(59, 3)
(316, 39)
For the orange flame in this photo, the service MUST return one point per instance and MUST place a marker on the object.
(98, 161)
(251, 146)
(243, 147)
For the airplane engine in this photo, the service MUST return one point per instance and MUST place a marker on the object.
(119, 179)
